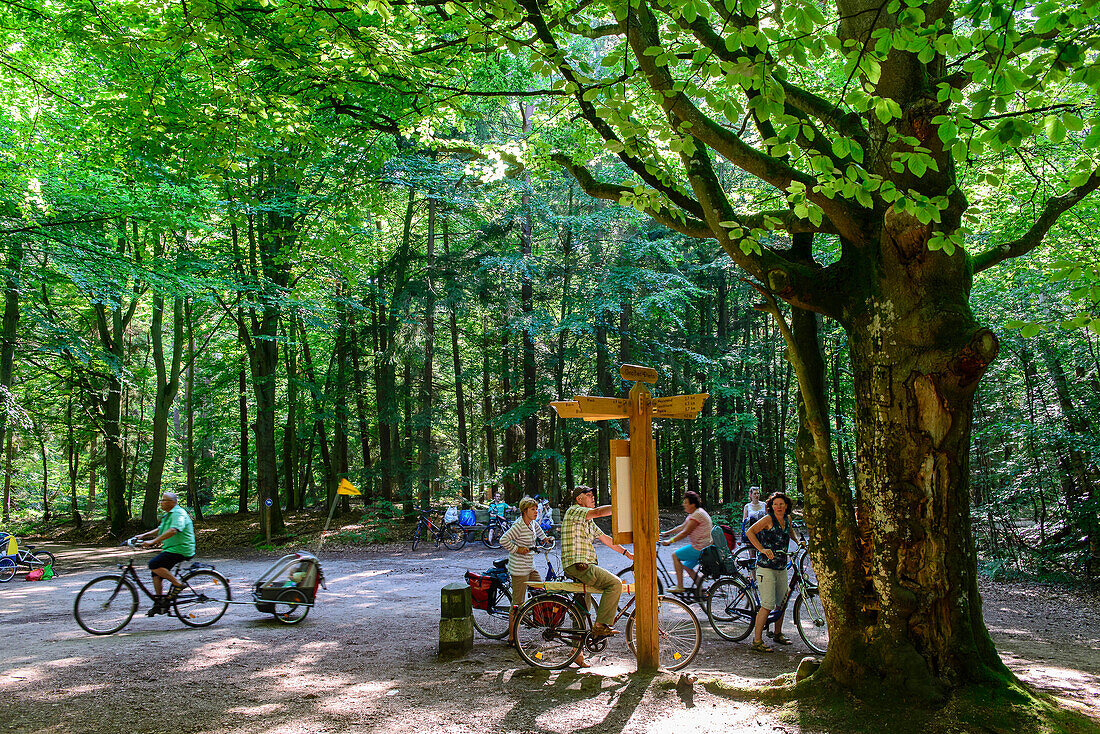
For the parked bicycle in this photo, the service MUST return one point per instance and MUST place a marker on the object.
(492, 595)
(107, 604)
(450, 534)
(552, 628)
(15, 558)
(735, 600)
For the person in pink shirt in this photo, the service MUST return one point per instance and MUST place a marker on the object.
(696, 528)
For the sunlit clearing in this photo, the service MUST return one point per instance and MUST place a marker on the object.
(219, 653)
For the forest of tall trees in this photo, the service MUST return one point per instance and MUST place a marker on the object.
(251, 248)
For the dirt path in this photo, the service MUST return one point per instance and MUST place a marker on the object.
(365, 660)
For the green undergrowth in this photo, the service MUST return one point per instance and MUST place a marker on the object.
(1005, 707)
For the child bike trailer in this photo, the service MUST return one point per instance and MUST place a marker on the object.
(288, 590)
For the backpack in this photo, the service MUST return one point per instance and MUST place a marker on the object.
(466, 518)
(720, 537)
(35, 575)
(710, 561)
(47, 573)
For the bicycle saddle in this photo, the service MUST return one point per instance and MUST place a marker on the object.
(501, 564)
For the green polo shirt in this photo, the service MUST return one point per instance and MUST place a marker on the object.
(183, 542)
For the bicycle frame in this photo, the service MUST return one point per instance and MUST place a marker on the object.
(435, 532)
(796, 582)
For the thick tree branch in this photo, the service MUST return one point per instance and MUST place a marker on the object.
(689, 119)
(601, 126)
(1055, 207)
(677, 221)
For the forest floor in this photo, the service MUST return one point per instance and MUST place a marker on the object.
(365, 660)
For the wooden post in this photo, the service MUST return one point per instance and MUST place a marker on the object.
(643, 475)
(640, 408)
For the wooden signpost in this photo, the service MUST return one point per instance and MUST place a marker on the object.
(634, 468)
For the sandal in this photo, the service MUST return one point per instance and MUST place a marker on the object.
(759, 646)
(781, 639)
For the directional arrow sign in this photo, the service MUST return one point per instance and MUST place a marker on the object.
(605, 408)
(678, 404)
(567, 408)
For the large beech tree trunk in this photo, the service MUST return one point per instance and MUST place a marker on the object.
(901, 606)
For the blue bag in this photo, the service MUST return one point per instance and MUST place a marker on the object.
(466, 518)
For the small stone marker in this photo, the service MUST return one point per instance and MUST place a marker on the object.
(456, 621)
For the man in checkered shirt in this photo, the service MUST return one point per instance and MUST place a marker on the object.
(578, 557)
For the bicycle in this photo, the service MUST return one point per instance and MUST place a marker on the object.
(107, 604)
(697, 593)
(551, 629)
(450, 534)
(734, 602)
(29, 559)
(492, 621)
(745, 558)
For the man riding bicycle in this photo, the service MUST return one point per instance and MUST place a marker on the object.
(176, 536)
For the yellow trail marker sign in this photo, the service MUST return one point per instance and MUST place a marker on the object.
(347, 488)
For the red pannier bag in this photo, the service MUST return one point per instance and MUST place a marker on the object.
(549, 613)
(480, 589)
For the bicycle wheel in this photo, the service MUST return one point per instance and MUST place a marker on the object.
(678, 633)
(493, 622)
(105, 604)
(417, 535)
(203, 600)
(43, 558)
(745, 560)
(454, 537)
(806, 568)
(809, 617)
(291, 606)
(627, 576)
(550, 632)
(490, 536)
(731, 609)
(7, 569)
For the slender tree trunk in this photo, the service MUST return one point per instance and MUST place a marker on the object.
(167, 385)
(189, 453)
(8, 330)
(367, 480)
(427, 463)
(290, 427)
(245, 473)
(460, 396)
(92, 465)
(73, 460)
(532, 482)
(487, 399)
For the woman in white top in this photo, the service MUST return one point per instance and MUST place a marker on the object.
(520, 541)
(754, 510)
(697, 529)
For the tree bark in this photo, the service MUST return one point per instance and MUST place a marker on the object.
(426, 471)
(166, 387)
